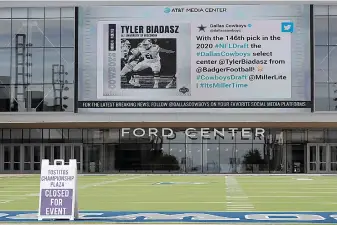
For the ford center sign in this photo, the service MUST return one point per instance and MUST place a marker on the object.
(194, 217)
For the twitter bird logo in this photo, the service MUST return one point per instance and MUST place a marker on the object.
(287, 27)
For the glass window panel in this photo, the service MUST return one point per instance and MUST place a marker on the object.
(47, 152)
(52, 32)
(56, 134)
(27, 155)
(77, 153)
(37, 96)
(322, 97)
(67, 60)
(321, 30)
(333, 154)
(45, 134)
(19, 26)
(36, 12)
(26, 166)
(26, 134)
(333, 64)
(316, 135)
(245, 136)
(67, 153)
(57, 152)
(16, 166)
(52, 57)
(179, 137)
(19, 12)
(7, 154)
(295, 136)
(332, 136)
(333, 96)
(332, 10)
(6, 133)
(52, 12)
(16, 134)
(86, 137)
(37, 154)
(249, 159)
(5, 64)
(194, 157)
(332, 30)
(51, 98)
(37, 166)
(5, 33)
(5, 12)
(36, 135)
(36, 33)
(22, 68)
(96, 135)
(178, 152)
(211, 158)
(65, 134)
(321, 63)
(75, 135)
(320, 10)
(67, 32)
(68, 98)
(7, 166)
(17, 153)
(68, 12)
(36, 70)
(226, 154)
(112, 136)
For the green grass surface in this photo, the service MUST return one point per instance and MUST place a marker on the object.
(189, 193)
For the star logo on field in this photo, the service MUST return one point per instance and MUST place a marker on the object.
(202, 28)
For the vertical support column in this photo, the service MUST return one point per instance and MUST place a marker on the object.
(41, 153)
(1, 159)
(22, 158)
(11, 168)
(328, 158)
(32, 147)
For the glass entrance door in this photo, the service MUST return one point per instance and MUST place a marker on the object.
(65, 152)
(26, 158)
(31, 158)
(318, 158)
(73, 151)
(11, 158)
(333, 158)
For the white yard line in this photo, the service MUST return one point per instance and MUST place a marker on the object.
(110, 182)
(23, 197)
(233, 189)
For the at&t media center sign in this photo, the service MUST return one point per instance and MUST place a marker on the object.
(228, 59)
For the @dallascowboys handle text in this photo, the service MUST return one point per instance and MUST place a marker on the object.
(193, 133)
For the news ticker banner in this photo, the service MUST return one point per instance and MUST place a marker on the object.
(220, 61)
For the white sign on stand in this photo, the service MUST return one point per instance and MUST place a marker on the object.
(58, 190)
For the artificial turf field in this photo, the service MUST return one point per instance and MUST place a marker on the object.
(173, 193)
(184, 193)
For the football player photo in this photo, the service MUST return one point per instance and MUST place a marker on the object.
(148, 63)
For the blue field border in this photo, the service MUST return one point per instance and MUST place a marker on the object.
(183, 217)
